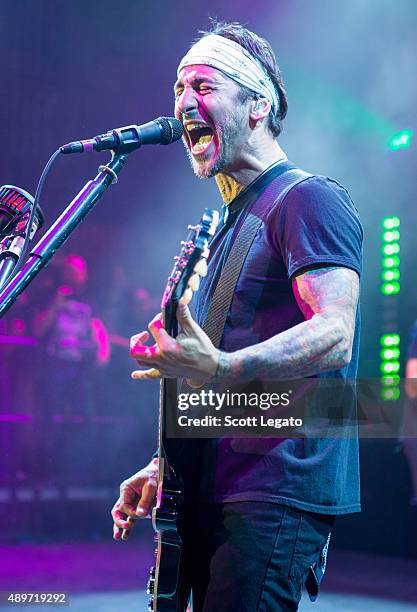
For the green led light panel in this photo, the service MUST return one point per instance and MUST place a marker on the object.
(390, 286)
(390, 381)
(390, 353)
(390, 261)
(390, 275)
(390, 340)
(391, 248)
(390, 222)
(392, 394)
(390, 367)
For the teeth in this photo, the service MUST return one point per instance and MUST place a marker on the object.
(203, 141)
(195, 126)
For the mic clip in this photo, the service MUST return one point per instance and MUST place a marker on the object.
(110, 171)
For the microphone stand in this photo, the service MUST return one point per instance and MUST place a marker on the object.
(8, 257)
(58, 233)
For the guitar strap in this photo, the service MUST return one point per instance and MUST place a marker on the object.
(273, 195)
(218, 310)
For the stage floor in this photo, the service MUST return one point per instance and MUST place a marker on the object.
(110, 577)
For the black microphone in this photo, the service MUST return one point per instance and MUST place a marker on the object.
(15, 204)
(16, 211)
(163, 130)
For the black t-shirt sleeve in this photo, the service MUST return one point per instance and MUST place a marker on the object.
(412, 343)
(317, 224)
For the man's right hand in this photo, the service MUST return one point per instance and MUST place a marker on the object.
(136, 496)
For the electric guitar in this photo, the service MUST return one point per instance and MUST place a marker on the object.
(165, 586)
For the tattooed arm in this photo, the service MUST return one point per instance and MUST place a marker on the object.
(328, 298)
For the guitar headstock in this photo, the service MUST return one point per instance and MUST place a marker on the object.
(191, 263)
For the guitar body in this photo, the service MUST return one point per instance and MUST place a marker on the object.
(178, 461)
(165, 580)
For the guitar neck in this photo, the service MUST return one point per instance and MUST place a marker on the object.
(165, 584)
(190, 266)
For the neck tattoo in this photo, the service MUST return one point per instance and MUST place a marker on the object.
(228, 186)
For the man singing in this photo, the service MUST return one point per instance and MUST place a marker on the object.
(264, 508)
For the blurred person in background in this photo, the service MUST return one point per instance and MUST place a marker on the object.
(17, 396)
(125, 304)
(14, 339)
(73, 338)
(409, 423)
(73, 343)
(124, 307)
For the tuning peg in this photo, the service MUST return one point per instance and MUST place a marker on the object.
(193, 228)
(200, 268)
(194, 282)
(187, 296)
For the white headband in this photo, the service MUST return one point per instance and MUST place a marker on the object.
(235, 61)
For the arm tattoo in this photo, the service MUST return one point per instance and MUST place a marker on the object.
(222, 370)
(328, 300)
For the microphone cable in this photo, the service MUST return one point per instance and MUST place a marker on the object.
(38, 193)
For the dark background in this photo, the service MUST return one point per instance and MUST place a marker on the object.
(74, 69)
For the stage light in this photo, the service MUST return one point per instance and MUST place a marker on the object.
(390, 288)
(390, 394)
(392, 380)
(391, 249)
(391, 236)
(390, 275)
(390, 367)
(390, 340)
(391, 262)
(388, 354)
(401, 140)
(390, 222)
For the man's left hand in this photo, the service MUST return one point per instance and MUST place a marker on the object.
(190, 355)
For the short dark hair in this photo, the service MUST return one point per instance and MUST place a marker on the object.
(260, 50)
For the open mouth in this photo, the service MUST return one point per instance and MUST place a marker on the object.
(200, 136)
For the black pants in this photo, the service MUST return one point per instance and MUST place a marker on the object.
(250, 556)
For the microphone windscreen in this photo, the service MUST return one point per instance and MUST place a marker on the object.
(15, 202)
(172, 129)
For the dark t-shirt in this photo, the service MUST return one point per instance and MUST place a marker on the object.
(315, 224)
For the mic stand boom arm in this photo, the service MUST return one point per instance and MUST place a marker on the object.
(58, 233)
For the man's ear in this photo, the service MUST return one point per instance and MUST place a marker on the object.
(259, 109)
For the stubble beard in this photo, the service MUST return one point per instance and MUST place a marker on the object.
(228, 134)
